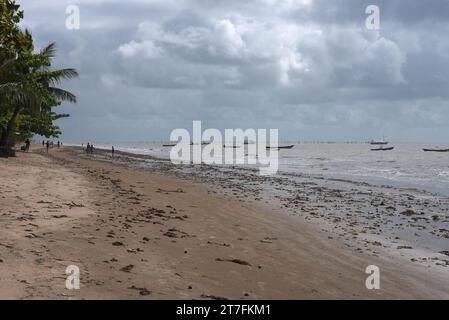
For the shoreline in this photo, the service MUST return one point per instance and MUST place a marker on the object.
(174, 238)
(411, 185)
(406, 223)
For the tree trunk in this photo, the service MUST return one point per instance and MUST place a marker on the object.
(6, 132)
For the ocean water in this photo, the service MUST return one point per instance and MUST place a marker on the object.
(407, 166)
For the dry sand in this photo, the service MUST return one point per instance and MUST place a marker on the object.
(136, 234)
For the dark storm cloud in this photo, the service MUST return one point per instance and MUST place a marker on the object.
(308, 67)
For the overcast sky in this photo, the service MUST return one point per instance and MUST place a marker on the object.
(310, 68)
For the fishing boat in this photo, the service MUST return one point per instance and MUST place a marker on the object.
(248, 141)
(378, 142)
(191, 143)
(281, 147)
(231, 146)
(436, 150)
(383, 149)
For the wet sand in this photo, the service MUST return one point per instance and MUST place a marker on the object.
(140, 233)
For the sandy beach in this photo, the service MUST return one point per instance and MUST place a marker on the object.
(224, 150)
(135, 233)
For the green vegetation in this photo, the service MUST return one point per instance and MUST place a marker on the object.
(29, 88)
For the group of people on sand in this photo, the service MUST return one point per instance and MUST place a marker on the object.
(49, 144)
(89, 148)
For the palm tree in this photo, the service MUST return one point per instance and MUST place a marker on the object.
(7, 87)
(34, 86)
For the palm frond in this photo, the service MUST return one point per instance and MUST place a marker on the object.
(54, 77)
(49, 51)
(63, 95)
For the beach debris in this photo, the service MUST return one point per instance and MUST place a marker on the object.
(134, 250)
(444, 233)
(117, 243)
(72, 204)
(219, 244)
(268, 240)
(142, 291)
(405, 247)
(175, 233)
(32, 235)
(59, 216)
(408, 212)
(237, 261)
(127, 268)
(179, 190)
(212, 297)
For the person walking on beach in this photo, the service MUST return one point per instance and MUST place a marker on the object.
(48, 145)
(92, 148)
(88, 148)
(59, 144)
(112, 151)
(27, 145)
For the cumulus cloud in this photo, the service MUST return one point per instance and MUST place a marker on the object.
(146, 48)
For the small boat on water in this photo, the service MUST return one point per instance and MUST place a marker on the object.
(248, 141)
(281, 147)
(191, 143)
(379, 142)
(436, 150)
(383, 149)
(203, 143)
(231, 146)
(374, 142)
